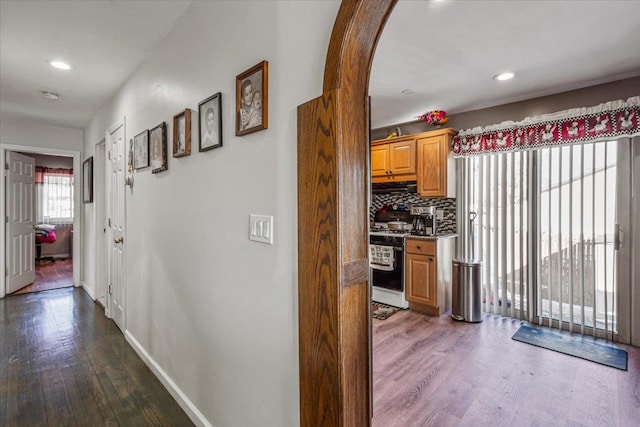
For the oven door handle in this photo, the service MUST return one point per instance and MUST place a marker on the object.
(382, 267)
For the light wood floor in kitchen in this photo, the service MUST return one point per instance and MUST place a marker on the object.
(430, 371)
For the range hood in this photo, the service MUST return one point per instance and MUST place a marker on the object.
(394, 187)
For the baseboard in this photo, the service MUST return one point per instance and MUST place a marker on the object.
(88, 290)
(182, 399)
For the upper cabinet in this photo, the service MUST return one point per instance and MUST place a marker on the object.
(422, 157)
(393, 161)
(436, 167)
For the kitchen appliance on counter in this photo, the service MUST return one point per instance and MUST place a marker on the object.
(386, 257)
(424, 220)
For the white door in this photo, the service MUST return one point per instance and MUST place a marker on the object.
(115, 223)
(20, 208)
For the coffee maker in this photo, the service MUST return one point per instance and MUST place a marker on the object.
(424, 220)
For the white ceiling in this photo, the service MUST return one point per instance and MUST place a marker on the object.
(552, 46)
(448, 52)
(104, 42)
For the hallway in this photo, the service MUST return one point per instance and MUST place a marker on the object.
(62, 362)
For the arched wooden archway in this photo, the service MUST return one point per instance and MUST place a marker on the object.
(333, 269)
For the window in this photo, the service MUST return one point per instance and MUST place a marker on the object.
(55, 195)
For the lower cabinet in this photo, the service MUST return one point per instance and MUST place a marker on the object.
(428, 274)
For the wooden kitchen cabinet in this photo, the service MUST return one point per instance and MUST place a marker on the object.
(436, 168)
(428, 274)
(420, 272)
(394, 161)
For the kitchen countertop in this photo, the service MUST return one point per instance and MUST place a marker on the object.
(434, 237)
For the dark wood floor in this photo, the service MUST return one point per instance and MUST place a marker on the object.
(63, 363)
(431, 371)
(50, 275)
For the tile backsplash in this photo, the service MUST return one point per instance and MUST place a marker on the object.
(448, 207)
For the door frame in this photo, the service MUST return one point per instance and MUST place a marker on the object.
(121, 122)
(333, 268)
(99, 175)
(77, 219)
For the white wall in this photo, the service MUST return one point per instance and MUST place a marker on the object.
(16, 132)
(217, 312)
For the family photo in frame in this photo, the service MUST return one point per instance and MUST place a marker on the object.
(252, 99)
(210, 122)
(141, 150)
(158, 150)
(182, 134)
(87, 180)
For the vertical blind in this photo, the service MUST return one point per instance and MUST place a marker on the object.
(544, 231)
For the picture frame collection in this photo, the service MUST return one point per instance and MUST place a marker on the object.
(150, 146)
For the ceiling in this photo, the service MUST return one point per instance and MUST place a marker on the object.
(103, 41)
(552, 46)
(448, 52)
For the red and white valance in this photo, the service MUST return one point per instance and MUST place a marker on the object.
(602, 122)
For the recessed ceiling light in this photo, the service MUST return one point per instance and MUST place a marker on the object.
(408, 92)
(504, 76)
(60, 65)
(50, 95)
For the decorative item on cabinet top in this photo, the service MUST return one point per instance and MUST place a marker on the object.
(435, 117)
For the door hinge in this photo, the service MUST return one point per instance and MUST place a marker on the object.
(110, 290)
(109, 154)
(109, 222)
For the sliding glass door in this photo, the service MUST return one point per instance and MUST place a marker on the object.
(576, 219)
(545, 229)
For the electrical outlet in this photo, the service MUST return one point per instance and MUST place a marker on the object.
(439, 214)
(261, 228)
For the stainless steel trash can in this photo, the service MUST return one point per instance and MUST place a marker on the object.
(466, 294)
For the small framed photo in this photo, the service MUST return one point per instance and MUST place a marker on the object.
(141, 150)
(252, 99)
(87, 180)
(210, 122)
(158, 150)
(182, 134)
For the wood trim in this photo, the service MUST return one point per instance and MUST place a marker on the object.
(355, 272)
(333, 294)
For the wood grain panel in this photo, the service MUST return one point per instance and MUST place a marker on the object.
(320, 382)
(333, 305)
(355, 272)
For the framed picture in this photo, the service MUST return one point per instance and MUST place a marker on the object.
(210, 122)
(87, 180)
(158, 150)
(252, 99)
(182, 134)
(141, 150)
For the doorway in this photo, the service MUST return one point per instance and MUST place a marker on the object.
(70, 234)
(52, 195)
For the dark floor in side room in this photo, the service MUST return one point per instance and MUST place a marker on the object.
(50, 275)
(62, 362)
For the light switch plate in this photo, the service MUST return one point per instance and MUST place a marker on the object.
(439, 214)
(261, 228)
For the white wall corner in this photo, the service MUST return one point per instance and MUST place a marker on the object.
(88, 289)
(185, 403)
